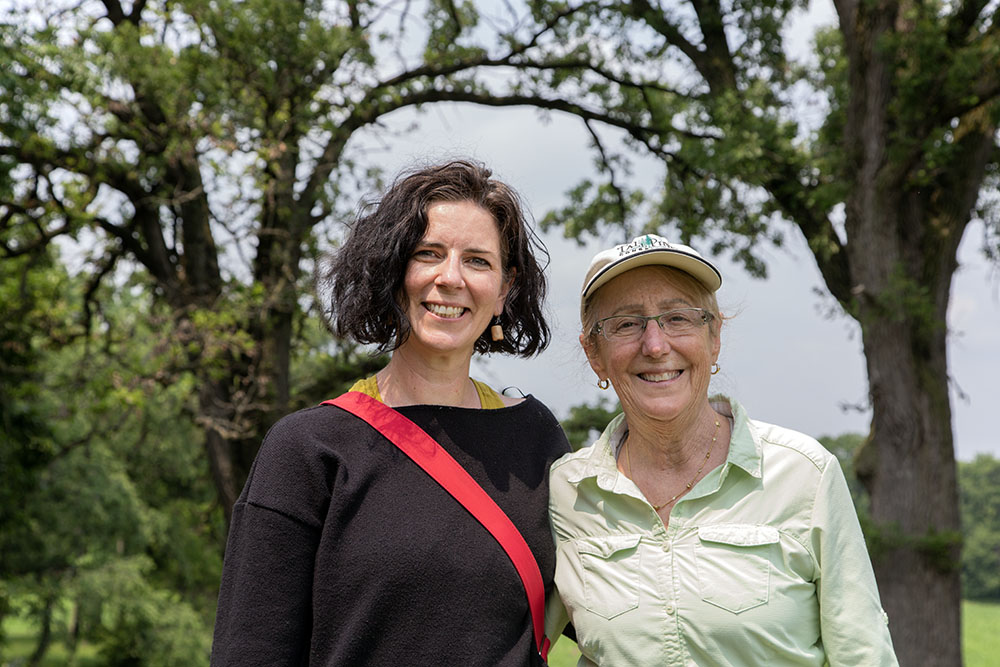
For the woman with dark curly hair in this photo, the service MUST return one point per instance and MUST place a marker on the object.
(342, 551)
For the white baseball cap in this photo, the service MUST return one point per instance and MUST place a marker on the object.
(647, 250)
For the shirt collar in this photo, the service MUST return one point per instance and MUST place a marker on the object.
(744, 443)
(601, 462)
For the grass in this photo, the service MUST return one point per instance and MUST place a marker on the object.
(564, 654)
(980, 641)
(19, 644)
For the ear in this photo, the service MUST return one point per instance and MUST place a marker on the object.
(504, 291)
(716, 344)
(590, 346)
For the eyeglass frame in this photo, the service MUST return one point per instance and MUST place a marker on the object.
(706, 317)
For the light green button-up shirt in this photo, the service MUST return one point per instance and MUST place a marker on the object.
(763, 561)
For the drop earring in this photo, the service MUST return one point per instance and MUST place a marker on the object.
(496, 331)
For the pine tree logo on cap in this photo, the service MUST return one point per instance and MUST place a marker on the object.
(643, 243)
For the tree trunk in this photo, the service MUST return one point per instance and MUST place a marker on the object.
(905, 216)
(73, 631)
(236, 411)
(909, 469)
(233, 427)
(44, 632)
(901, 275)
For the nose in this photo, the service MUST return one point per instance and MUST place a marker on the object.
(450, 272)
(655, 341)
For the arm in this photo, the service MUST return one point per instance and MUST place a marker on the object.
(266, 598)
(265, 601)
(556, 618)
(853, 626)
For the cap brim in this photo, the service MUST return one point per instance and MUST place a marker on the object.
(703, 272)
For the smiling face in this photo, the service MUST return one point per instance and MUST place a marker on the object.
(656, 376)
(454, 282)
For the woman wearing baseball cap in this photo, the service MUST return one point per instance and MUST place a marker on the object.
(689, 533)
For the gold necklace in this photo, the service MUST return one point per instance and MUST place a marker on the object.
(708, 455)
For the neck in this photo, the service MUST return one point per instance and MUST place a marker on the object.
(675, 444)
(410, 379)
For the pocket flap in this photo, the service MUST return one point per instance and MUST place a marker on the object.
(607, 546)
(738, 534)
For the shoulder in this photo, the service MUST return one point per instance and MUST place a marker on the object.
(297, 464)
(308, 432)
(571, 463)
(771, 441)
(593, 460)
(533, 420)
(779, 441)
(521, 409)
(531, 404)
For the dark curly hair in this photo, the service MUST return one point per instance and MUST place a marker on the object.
(363, 279)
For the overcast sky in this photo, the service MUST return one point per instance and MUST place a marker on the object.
(782, 356)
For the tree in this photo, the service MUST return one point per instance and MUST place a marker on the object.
(120, 496)
(205, 145)
(979, 484)
(845, 447)
(25, 434)
(586, 422)
(879, 152)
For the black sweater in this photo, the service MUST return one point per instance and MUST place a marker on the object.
(343, 552)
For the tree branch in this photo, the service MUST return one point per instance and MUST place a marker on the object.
(436, 70)
(610, 170)
(717, 68)
(962, 21)
(715, 62)
(93, 284)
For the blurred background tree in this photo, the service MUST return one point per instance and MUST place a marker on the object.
(202, 149)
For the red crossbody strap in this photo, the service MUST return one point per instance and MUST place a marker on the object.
(446, 471)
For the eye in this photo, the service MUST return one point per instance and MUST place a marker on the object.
(621, 325)
(424, 253)
(480, 262)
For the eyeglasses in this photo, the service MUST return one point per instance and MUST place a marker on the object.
(625, 328)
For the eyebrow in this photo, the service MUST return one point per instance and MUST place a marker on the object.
(439, 244)
(632, 308)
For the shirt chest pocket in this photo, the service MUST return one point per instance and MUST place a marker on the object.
(610, 568)
(734, 567)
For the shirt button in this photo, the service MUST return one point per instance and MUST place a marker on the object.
(666, 546)
(670, 609)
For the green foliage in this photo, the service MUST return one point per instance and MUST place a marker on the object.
(113, 508)
(592, 207)
(906, 299)
(846, 447)
(586, 422)
(323, 370)
(979, 493)
(30, 297)
(137, 623)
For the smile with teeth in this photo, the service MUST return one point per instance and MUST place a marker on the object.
(660, 377)
(449, 312)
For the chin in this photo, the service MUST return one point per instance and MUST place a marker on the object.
(445, 343)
